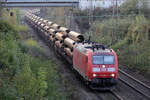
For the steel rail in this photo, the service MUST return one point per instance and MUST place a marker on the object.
(128, 84)
(116, 95)
(138, 81)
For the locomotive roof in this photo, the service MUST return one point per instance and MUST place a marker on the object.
(83, 47)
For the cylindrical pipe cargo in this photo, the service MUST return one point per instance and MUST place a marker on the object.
(36, 21)
(49, 23)
(41, 20)
(39, 23)
(51, 31)
(32, 19)
(42, 25)
(38, 18)
(68, 52)
(51, 38)
(69, 42)
(58, 44)
(55, 26)
(35, 17)
(59, 36)
(64, 30)
(42, 30)
(76, 36)
(46, 28)
(45, 33)
(45, 21)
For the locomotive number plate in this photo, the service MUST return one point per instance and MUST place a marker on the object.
(103, 69)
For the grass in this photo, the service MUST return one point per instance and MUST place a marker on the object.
(33, 43)
(22, 28)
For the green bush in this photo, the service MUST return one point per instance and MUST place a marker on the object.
(25, 76)
(139, 56)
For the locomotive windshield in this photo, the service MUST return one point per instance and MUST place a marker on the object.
(103, 59)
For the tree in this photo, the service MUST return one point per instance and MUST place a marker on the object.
(26, 82)
(138, 30)
(134, 7)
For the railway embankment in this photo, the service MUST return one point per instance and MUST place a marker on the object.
(26, 72)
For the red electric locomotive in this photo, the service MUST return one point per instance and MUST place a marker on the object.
(96, 64)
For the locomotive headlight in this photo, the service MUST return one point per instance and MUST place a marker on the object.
(113, 75)
(96, 69)
(103, 66)
(94, 75)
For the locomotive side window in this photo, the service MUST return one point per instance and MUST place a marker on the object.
(97, 59)
(108, 59)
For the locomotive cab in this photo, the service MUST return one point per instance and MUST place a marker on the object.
(104, 69)
(96, 64)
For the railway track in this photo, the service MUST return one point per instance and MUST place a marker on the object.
(116, 95)
(138, 86)
(108, 95)
(135, 84)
